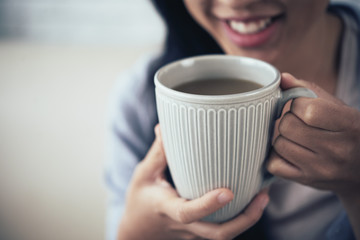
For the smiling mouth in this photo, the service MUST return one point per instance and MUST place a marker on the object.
(253, 26)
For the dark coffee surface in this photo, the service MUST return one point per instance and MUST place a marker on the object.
(217, 86)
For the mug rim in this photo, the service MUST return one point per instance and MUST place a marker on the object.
(216, 99)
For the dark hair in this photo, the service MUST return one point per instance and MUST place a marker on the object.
(184, 36)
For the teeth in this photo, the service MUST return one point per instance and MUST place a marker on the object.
(250, 27)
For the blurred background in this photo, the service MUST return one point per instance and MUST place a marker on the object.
(58, 63)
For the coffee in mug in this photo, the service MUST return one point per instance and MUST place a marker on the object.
(217, 86)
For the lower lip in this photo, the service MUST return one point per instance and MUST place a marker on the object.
(252, 40)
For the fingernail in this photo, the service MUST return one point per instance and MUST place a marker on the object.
(224, 197)
(264, 202)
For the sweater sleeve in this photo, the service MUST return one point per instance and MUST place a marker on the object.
(131, 119)
(340, 228)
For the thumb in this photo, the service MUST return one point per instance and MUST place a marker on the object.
(154, 162)
(188, 211)
(289, 81)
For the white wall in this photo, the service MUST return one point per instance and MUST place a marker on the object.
(81, 21)
(58, 62)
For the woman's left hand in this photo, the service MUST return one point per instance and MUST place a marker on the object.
(319, 142)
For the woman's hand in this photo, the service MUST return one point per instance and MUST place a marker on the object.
(319, 145)
(155, 211)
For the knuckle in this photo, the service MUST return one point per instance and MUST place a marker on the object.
(310, 113)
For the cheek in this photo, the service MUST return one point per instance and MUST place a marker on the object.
(303, 14)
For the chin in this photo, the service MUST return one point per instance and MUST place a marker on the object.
(270, 57)
(270, 53)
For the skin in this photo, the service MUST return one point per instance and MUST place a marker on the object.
(155, 210)
(323, 154)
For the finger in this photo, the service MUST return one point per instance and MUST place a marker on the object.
(187, 211)
(154, 162)
(314, 112)
(297, 131)
(280, 167)
(236, 226)
(294, 153)
(320, 113)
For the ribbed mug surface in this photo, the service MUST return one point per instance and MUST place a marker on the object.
(215, 146)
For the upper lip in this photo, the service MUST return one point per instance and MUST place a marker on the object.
(251, 17)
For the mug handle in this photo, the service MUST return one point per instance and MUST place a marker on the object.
(292, 93)
(286, 95)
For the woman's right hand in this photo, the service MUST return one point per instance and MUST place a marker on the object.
(154, 210)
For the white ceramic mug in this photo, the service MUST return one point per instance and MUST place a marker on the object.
(219, 141)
